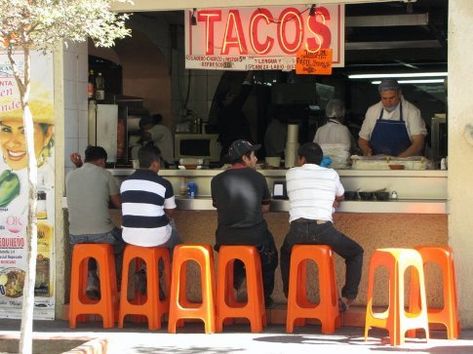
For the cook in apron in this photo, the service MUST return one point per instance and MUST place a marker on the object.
(390, 137)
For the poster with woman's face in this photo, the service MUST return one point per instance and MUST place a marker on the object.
(14, 186)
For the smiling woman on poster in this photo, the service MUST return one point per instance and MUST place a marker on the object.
(12, 137)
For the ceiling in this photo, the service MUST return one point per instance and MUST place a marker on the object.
(401, 34)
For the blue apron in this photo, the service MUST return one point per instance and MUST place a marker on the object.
(390, 137)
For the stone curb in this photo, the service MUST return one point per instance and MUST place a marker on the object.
(94, 346)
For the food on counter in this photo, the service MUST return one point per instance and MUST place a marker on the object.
(383, 162)
(9, 187)
(396, 167)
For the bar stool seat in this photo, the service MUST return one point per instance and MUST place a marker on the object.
(180, 308)
(80, 303)
(299, 307)
(448, 314)
(395, 319)
(151, 306)
(227, 304)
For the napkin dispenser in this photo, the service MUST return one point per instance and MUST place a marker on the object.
(279, 190)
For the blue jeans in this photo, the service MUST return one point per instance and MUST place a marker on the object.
(113, 237)
(308, 232)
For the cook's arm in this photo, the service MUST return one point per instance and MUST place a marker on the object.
(365, 147)
(416, 147)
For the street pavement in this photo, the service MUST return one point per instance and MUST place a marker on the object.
(135, 338)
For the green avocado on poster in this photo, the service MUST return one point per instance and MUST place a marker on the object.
(9, 187)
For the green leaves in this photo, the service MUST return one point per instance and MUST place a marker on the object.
(41, 24)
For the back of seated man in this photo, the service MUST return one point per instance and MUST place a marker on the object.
(89, 190)
(147, 206)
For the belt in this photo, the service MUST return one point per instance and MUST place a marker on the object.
(308, 221)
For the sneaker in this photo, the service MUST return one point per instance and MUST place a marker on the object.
(140, 281)
(242, 294)
(344, 304)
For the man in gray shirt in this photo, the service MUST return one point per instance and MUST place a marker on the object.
(89, 191)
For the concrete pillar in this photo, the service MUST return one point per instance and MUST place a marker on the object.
(460, 152)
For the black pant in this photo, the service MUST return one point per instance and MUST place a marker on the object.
(311, 233)
(269, 262)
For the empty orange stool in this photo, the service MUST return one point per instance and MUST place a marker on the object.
(395, 319)
(448, 314)
(152, 307)
(179, 307)
(80, 303)
(298, 306)
(227, 304)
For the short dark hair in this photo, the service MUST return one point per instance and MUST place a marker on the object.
(95, 153)
(312, 152)
(148, 154)
(240, 159)
(157, 118)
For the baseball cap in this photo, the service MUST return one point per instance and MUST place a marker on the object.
(240, 147)
(388, 85)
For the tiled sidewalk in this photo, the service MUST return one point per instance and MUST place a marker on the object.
(236, 339)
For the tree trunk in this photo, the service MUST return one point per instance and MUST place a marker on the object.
(26, 335)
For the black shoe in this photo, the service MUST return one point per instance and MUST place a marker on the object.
(93, 294)
(342, 305)
(268, 302)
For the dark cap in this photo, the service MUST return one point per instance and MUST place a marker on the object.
(388, 85)
(241, 147)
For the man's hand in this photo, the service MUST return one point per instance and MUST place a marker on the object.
(76, 159)
(365, 147)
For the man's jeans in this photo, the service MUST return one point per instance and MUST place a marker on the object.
(269, 262)
(114, 237)
(311, 233)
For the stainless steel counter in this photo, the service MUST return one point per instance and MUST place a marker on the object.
(394, 206)
(419, 191)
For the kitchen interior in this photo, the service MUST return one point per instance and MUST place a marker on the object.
(145, 74)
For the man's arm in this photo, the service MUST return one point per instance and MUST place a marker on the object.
(265, 207)
(116, 201)
(169, 212)
(365, 147)
(76, 159)
(415, 149)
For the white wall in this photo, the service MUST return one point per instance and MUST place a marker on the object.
(75, 100)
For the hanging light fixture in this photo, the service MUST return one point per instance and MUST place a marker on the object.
(193, 18)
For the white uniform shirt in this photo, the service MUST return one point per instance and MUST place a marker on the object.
(411, 115)
(333, 132)
(312, 190)
(162, 138)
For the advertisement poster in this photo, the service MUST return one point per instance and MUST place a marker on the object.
(263, 38)
(13, 187)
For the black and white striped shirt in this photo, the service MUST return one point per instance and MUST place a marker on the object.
(144, 196)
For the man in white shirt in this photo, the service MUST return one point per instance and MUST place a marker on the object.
(392, 126)
(313, 192)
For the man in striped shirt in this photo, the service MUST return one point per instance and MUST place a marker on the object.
(147, 205)
(313, 192)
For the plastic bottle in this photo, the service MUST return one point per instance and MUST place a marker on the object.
(41, 211)
(99, 87)
(91, 85)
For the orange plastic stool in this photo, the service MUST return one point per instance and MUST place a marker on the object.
(448, 314)
(80, 303)
(151, 306)
(298, 306)
(227, 304)
(180, 308)
(395, 319)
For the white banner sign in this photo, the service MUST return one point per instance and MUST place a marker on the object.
(13, 187)
(263, 38)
